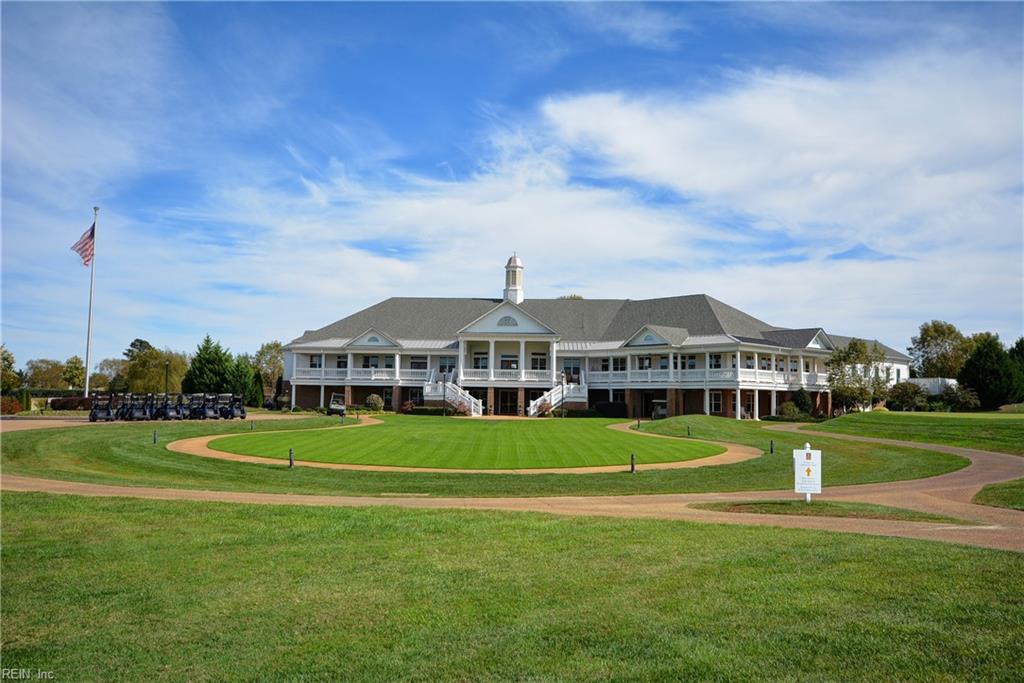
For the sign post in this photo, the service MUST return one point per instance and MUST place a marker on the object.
(807, 471)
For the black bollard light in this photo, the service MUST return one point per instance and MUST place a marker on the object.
(772, 451)
(291, 458)
(154, 436)
(632, 463)
(688, 432)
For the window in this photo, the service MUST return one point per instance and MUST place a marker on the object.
(507, 321)
(538, 361)
(649, 339)
(415, 395)
(716, 364)
(479, 360)
(748, 404)
(663, 363)
(716, 402)
(618, 395)
(508, 362)
(619, 364)
(691, 362)
(897, 374)
(604, 365)
(446, 364)
(418, 363)
(793, 367)
(371, 361)
(643, 362)
(389, 361)
(314, 361)
(373, 340)
(748, 362)
(342, 362)
(807, 366)
(766, 363)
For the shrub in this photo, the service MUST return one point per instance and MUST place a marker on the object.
(880, 409)
(960, 398)
(581, 412)
(26, 400)
(544, 409)
(321, 410)
(907, 396)
(802, 400)
(937, 405)
(426, 410)
(9, 405)
(375, 403)
(71, 403)
(789, 411)
(610, 408)
(460, 410)
(407, 408)
(297, 409)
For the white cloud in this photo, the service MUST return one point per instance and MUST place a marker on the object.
(642, 25)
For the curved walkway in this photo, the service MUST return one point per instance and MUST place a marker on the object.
(199, 446)
(948, 494)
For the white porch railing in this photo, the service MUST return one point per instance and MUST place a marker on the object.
(506, 374)
(422, 375)
(537, 375)
(475, 374)
(555, 397)
(372, 373)
(335, 373)
(308, 373)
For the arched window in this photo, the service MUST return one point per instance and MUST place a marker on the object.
(648, 339)
(373, 340)
(508, 321)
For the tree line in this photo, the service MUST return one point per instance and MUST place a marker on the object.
(988, 374)
(143, 368)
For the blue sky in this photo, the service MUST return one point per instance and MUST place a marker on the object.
(267, 168)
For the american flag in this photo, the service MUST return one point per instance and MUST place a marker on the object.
(85, 245)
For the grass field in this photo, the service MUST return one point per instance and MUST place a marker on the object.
(97, 589)
(825, 508)
(423, 441)
(1003, 432)
(124, 454)
(1008, 494)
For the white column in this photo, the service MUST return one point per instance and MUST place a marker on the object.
(738, 366)
(757, 408)
(739, 414)
(707, 401)
(398, 366)
(800, 362)
(321, 394)
(554, 358)
(773, 379)
(629, 367)
(610, 394)
(490, 359)
(522, 360)
(671, 366)
(610, 366)
(707, 395)
(348, 366)
(323, 364)
(462, 356)
(757, 367)
(774, 401)
(294, 390)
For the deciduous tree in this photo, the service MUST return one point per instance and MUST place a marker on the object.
(854, 375)
(147, 369)
(137, 346)
(44, 373)
(939, 349)
(9, 380)
(269, 361)
(73, 373)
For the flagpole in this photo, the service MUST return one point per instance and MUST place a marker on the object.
(92, 288)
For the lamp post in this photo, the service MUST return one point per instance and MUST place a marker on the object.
(167, 373)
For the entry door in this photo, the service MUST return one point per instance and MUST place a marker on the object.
(507, 400)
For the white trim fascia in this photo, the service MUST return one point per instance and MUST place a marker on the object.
(518, 308)
(375, 331)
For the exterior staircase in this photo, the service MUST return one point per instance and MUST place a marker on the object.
(555, 397)
(454, 395)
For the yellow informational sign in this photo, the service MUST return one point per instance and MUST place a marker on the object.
(807, 470)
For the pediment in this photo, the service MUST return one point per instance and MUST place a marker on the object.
(375, 339)
(507, 318)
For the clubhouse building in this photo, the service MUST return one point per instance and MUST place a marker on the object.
(514, 356)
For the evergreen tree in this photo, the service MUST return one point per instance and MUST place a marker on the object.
(26, 400)
(210, 369)
(240, 376)
(255, 396)
(993, 374)
(802, 400)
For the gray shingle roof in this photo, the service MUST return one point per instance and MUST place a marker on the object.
(841, 342)
(575, 320)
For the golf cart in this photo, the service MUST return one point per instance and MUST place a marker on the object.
(166, 407)
(124, 404)
(230, 406)
(102, 409)
(659, 410)
(336, 406)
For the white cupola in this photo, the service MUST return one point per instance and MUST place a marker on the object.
(514, 280)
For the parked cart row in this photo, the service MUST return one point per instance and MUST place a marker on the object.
(110, 407)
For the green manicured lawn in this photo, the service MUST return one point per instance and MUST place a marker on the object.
(1007, 494)
(1003, 432)
(426, 441)
(124, 454)
(825, 508)
(104, 589)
